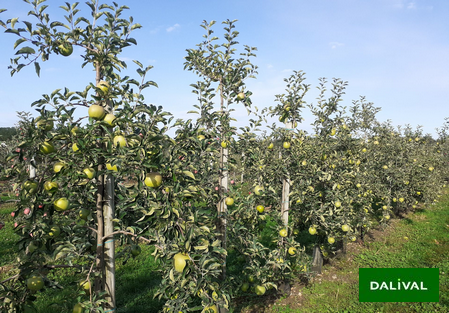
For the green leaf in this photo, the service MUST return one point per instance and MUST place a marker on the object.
(189, 174)
(200, 247)
(136, 26)
(18, 42)
(14, 21)
(172, 277)
(26, 50)
(38, 68)
(14, 31)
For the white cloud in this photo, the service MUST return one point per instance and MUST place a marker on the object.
(269, 66)
(335, 45)
(172, 28)
(411, 6)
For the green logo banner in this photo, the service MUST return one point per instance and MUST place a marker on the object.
(399, 285)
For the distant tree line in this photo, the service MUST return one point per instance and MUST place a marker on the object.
(6, 133)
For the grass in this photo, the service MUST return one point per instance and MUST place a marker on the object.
(419, 240)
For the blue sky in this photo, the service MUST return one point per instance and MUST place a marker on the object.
(393, 52)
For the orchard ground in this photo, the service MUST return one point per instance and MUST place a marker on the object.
(418, 239)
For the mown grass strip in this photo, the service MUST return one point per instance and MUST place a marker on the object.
(420, 240)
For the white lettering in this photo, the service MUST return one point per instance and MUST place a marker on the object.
(374, 285)
(406, 285)
(422, 286)
(391, 286)
(383, 286)
(414, 285)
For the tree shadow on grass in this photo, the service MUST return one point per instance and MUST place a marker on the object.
(137, 282)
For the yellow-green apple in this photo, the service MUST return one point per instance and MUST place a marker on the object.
(89, 172)
(120, 140)
(51, 186)
(78, 308)
(96, 112)
(153, 179)
(110, 119)
(65, 49)
(260, 290)
(180, 261)
(35, 283)
(136, 250)
(229, 201)
(240, 96)
(61, 204)
(111, 168)
(58, 166)
(104, 86)
(54, 231)
(46, 147)
(258, 190)
(84, 213)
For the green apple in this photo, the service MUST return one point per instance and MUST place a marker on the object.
(30, 186)
(260, 290)
(136, 250)
(120, 140)
(283, 232)
(96, 112)
(44, 124)
(78, 308)
(258, 190)
(153, 179)
(51, 186)
(312, 230)
(35, 283)
(245, 287)
(58, 166)
(240, 96)
(46, 147)
(286, 145)
(260, 208)
(345, 228)
(54, 231)
(65, 49)
(75, 147)
(61, 204)
(270, 146)
(85, 285)
(229, 201)
(201, 137)
(89, 172)
(331, 240)
(180, 261)
(75, 130)
(104, 86)
(84, 213)
(110, 119)
(111, 168)
(292, 250)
